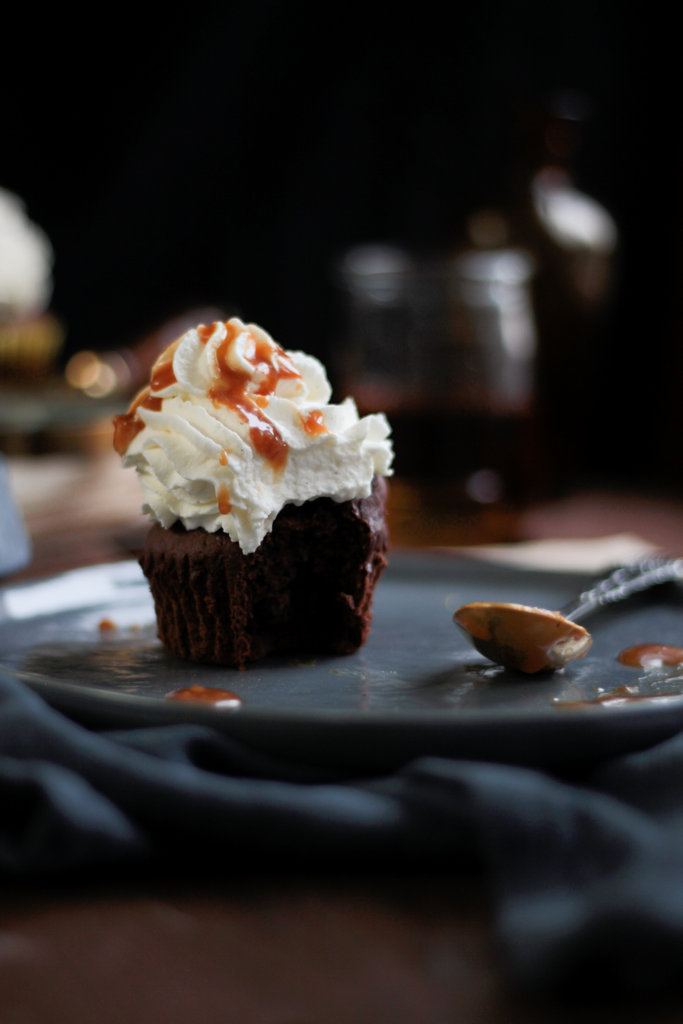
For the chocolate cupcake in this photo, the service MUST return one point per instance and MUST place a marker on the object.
(267, 501)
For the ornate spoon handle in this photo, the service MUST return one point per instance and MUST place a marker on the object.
(624, 583)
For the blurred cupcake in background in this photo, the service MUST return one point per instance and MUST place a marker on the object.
(30, 337)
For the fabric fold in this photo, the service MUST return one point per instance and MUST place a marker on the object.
(586, 874)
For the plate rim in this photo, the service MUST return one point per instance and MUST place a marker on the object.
(654, 718)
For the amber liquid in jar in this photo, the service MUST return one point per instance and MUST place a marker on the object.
(460, 477)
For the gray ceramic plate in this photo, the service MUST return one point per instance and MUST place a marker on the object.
(416, 688)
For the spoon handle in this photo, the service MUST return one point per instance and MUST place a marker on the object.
(623, 583)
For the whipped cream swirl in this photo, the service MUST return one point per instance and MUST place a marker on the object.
(232, 427)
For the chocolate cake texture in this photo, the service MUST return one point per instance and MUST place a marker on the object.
(307, 589)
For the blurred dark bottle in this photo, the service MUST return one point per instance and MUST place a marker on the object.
(573, 242)
(486, 356)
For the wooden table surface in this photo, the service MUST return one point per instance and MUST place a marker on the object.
(270, 947)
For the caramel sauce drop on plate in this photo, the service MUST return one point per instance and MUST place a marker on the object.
(206, 695)
(651, 655)
(616, 697)
(647, 656)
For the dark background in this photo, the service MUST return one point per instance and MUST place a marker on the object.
(227, 153)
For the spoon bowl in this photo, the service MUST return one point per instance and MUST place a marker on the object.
(533, 640)
(522, 637)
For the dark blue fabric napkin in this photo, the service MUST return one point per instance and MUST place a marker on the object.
(587, 873)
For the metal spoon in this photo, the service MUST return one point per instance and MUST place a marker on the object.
(534, 639)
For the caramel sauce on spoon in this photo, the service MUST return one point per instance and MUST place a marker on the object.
(535, 639)
(522, 637)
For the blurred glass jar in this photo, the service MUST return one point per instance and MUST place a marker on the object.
(447, 348)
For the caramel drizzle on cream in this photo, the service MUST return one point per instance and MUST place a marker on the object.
(234, 389)
(230, 389)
